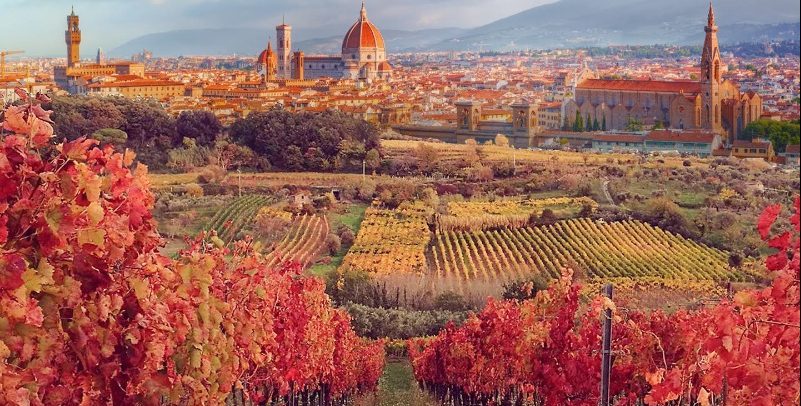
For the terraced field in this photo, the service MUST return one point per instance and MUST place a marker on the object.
(231, 219)
(303, 243)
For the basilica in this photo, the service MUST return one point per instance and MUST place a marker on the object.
(363, 56)
(710, 103)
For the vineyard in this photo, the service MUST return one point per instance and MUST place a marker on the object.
(230, 220)
(303, 243)
(476, 215)
(91, 313)
(629, 249)
(545, 351)
(391, 241)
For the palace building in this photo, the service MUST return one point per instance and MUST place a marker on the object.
(74, 77)
(363, 56)
(711, 103)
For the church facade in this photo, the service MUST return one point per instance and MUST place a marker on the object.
(363, 56)
(711, 103)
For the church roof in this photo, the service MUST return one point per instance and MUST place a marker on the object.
(679, 86)
(363, 34)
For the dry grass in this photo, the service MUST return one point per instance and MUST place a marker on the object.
(494, 153)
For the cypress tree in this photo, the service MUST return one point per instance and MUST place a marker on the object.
(595, 125)
(589, 123)
(603, 124)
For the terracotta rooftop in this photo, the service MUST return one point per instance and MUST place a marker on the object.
(619, 138)
(751, 144)
(641, 85)
(703, 137)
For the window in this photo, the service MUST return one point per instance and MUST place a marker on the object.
(762, 151)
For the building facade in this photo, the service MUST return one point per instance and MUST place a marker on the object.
(711, 103)
(363, 56)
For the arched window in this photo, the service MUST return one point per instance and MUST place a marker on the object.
(717, 71)
(717, 114)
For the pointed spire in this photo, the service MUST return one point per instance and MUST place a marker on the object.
(363, 12)
(72, 8)
(711, 18)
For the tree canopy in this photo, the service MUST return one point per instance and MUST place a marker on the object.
(780, 133)
(307, 141)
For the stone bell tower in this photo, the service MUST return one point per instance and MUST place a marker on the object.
(711, 77)
(73, 38)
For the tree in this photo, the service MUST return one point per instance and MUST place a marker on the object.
(633, 124)
(372, 160)
(603, 123)
(427, 157)
(595, 125)
(202, 126)
(329, 136)
(111, 136)
(780, 133)
(578, 123)
(588, 123)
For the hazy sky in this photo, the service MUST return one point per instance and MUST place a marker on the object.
(37, 26)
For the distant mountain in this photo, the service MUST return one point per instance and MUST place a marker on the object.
(580, 23)
(245, 41)
(563, 24)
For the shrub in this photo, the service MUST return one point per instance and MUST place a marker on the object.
(211, 174)
(193, 190)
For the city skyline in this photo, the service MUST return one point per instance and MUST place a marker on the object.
(113, 22)
(119, 27)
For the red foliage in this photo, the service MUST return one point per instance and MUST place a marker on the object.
(742, 352)
(90, 313)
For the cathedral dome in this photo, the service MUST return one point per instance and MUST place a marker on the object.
(363, 34)
(265, 54)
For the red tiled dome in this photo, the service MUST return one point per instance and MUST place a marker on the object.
(384, 67)
(363, 34)
(267, 53)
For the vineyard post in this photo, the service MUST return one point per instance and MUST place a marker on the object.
(606, 353)
(364, 169)
(239, 180)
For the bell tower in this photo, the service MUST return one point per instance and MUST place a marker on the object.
(284, 37)
(73, 38)
(711, 77)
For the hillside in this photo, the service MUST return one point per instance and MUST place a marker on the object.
(248, 41)
(577, 23)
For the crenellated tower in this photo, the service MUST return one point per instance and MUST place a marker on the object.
(73, 38)
(711, 77)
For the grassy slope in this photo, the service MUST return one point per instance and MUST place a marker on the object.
(352, 218)
(397, 388)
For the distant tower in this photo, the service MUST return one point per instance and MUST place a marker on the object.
(297, 71)
(711, 77)
(101, 57)
(468, 113)
(73, 39)
(284, 36)
(524, 117)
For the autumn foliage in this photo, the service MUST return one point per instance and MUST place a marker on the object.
(743, 351)
(90, 313)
